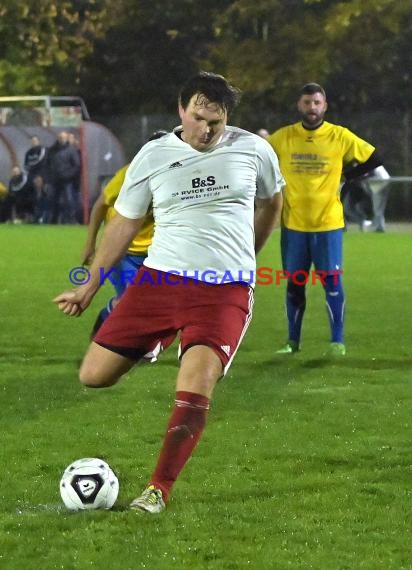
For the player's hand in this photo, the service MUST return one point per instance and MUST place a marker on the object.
(74, 302)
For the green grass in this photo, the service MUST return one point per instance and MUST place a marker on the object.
(305, 463)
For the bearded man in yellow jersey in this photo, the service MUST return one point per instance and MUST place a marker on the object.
(313, 156)
(103, 211)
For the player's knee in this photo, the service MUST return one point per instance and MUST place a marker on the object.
(333, 285)
(296, 292)
(92, 377)
(200, 370)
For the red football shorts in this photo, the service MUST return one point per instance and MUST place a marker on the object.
(159, 305)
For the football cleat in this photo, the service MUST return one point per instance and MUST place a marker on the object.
(336, 349)
(289, 348)
(150, 501)
(365, 225)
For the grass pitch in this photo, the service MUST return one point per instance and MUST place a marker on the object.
(305, 463)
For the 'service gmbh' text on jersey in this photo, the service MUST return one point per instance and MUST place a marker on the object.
(312, 162)
(203, 202)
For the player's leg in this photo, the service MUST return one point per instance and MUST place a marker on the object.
(121, 276)
(140, 323)
(71, 202)
(102, 367)
(327, 255)
(55, 190)
(209, 342)
(379, 201)
(296, 261)
(200, 370)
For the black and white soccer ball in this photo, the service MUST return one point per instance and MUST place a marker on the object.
(88, 484)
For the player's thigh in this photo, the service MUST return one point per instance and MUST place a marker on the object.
(217, 318)
(327, 250)
(142, 321)
(200, 369)
(296, 254)
(102, 367)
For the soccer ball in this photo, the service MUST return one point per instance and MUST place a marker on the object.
(87, 484)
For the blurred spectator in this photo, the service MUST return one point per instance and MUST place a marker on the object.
(35, 159)
(5, 209)
(35, 163)
(263, 133)
(42, 206)
(21, 197)
(3, 191)
(356, 204)
(377, 184)
(75, 143)
(63, 170)
(366, 197)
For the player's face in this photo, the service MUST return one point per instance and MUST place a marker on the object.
(312, 109)
(203, 122)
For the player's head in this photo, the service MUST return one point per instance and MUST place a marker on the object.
(205, 102)
(157, 135)
(312, 105)
(212, 87)
(263, 133)
(63, 137)
(312, 88)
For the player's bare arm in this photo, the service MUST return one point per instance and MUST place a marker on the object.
(267, 218)
(97, 216)
(116, 238)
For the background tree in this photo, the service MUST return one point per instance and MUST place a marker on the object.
(131, 56)
(43, 43)
(357, 49)
(371, 74)
(149, 50)
(268, 48)
(372, 58)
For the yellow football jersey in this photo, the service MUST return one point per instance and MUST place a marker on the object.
(143, 239)
(311, 162)
(3, 191)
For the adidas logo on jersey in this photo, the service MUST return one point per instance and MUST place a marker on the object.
(226, 349)
(175, 164)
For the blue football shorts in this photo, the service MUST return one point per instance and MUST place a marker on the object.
(301, 250)
(125, 271)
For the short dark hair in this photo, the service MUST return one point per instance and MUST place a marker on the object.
(215, 89)
(311, 89)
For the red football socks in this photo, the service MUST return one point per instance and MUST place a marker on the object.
(183, 432)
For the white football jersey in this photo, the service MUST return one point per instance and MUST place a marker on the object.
(203, 202)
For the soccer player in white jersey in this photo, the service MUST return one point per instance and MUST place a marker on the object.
(216, 196)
